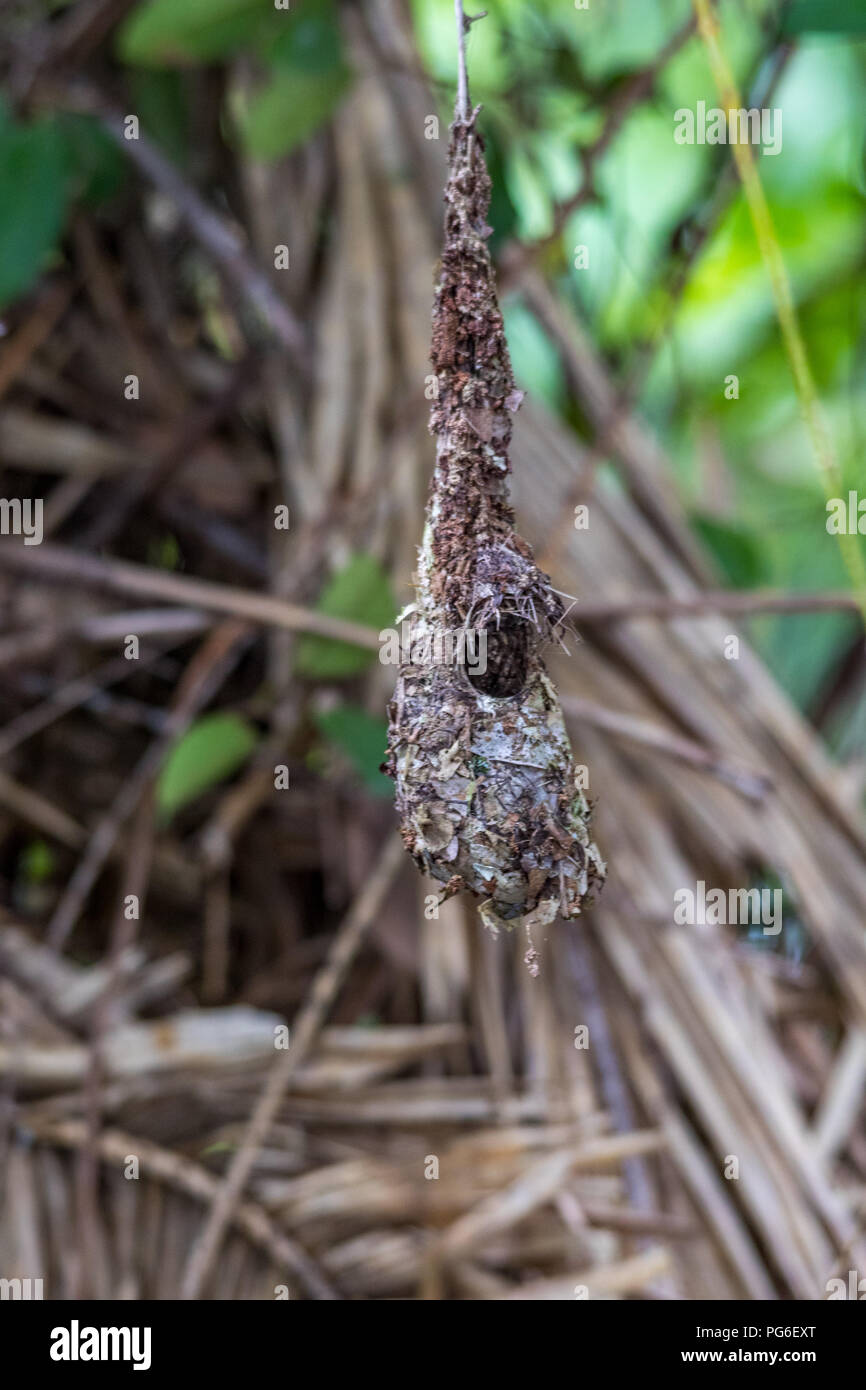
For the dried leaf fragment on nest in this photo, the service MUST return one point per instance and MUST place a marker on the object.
(486, 786)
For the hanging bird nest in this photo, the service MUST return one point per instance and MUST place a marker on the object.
(489, 798)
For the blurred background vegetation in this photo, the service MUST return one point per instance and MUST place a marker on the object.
(304, 124)
(675, 295)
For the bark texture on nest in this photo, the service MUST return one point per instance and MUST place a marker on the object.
(486, 784)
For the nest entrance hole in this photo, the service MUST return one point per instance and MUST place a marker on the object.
(502, 659)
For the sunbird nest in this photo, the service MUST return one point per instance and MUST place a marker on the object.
(486, 787)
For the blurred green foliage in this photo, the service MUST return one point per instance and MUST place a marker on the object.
(359, 592)
(37, 862)
(817, 16)
(164, 32)
(49, 164)
(212, 749)
(46, 165)
(545, 75)
(361, 738)
(33, 197)
(297, 54)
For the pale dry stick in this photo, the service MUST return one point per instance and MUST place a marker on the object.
(848, 1254)
(180, 1172)
(632, 1221)
(22, 1196)
(841, 1103)
(615, 1094)
(204, 675)
(108, 628)
(675, 1023)
(65, 497)
(486, 991)
(753, 785)
(183, 1050)
(407, 1107)
(38, 811)
(462, 80)
(30, 644)
(324, 990)
(396, 1042)
(708, 601)
(48, 444)
(59, 564)
(65, 992)
(538, 1183)
(475, 1283)
(86, 1165)
(750, 1059)
(179, 624)
(708, 1192)
(626, 1276)
(136, 875)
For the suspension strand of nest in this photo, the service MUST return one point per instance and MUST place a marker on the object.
(487, 791)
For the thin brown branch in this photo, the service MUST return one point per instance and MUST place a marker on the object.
(204, 674)
(84, 689)
(60, 565)
(753, 785)
(182, 1173)
(744, 602)
(325, 988)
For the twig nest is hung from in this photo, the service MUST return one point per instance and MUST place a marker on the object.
(486, 785)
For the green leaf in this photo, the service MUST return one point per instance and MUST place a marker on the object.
(823, 17)
(219, 1146)
(361, 593)
(736, 550)
(210, 750)
(160, 98)
(362, 737)
(34, 191)
(96, 166)
(306, 80)
(163, 551)
(288, 108)
(309, 40)
(161, 32)
(36, 863)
